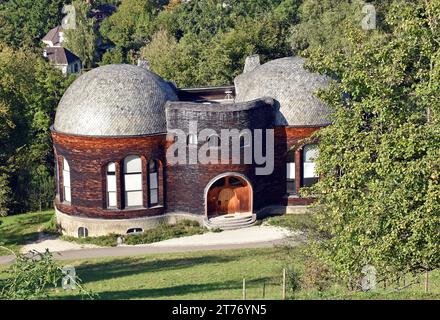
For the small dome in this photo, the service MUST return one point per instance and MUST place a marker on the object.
(115, 100)
(291, 86)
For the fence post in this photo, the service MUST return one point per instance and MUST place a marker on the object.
(284, 284)
(264, 289)
(244, 288)
(426, 281)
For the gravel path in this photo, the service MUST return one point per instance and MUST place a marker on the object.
(253, 237)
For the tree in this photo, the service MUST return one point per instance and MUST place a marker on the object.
(30, 90)
(130, 26)
(113, 56)
(205, 42)
(25, 22)
(82, 40)
(378, 198)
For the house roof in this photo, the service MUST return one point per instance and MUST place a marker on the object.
(60, 56)
(115, 100)
(290, 85)
(54, 35)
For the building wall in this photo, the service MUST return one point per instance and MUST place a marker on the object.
(186, 183)
(88, 158)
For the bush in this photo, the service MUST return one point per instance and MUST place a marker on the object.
(32, 276)
(316, 276)
(165, 232)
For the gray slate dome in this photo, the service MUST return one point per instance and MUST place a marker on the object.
(291, 86)
(115, 100)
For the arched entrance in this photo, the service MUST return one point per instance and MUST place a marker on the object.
(229, 195)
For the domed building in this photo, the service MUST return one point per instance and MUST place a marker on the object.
(120, 128)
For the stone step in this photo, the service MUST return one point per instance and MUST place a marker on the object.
(230, 223)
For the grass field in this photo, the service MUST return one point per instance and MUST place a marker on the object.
(17, 230)
(201, 275)
(212, 275)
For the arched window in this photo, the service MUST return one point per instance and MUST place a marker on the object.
(153, 181)
(310, 154)
(112, 201)
(133, 181)
(66, 181)
(192, 139)
(291, 172)
(214, 141)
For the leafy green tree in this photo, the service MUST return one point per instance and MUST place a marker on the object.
(205, 42)
(82, 39)
(30, 90)
(130, 26)
(378, 198)
(113, 56)
(25, 22)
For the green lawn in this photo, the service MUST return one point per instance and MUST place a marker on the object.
(17, 230)
(212, 275)
(201, 275)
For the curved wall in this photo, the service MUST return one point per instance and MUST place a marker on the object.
(88, 158)
(186, 183)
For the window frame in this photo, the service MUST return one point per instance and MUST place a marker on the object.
(151, 187)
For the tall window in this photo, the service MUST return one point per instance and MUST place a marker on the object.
(112, 201)
(192, 139)
(310, 154)
(57, 175)
(290, 164)
(66, 181)
(214, 141)
(153, 183)
(133, 181)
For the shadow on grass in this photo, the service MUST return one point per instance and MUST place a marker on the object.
(176, 291)
(120, 268)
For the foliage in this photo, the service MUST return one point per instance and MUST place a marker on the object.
(113, 56)
(25, 22)
(82, 40)
(202, 42)
(29, 93)
(159, 233)
(164, 232)
(130, 25)
(379, 193)
(31, 276)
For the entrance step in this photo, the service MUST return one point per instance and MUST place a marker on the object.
(231, 222)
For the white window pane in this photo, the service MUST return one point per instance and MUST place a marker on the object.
(66, 178)
(112, 201)
(111, 183)
(311, 153)
(134, 198)
(66, 166)
(154, 196)
(67, 194)
(153, 180)
(132, 164)
(291, 170)
(309, 170)
(133, 182)
(111, 167)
